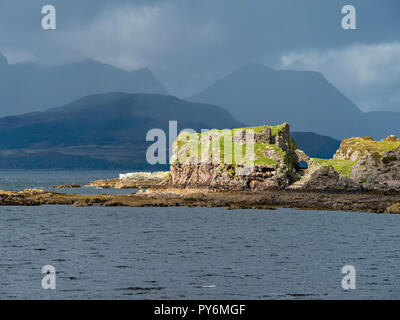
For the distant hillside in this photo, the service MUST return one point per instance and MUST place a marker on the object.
(315, 145)
(99, 131)
(256, 95)
(27, 87)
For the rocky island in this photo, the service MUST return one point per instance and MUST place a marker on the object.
(215, 168)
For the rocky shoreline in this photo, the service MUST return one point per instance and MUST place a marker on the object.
(378, 202)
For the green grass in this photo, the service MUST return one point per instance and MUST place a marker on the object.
(276, 129)
(363, 144)
(343, 167)
(220, 150)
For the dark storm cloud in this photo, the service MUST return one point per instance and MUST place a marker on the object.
(190, 43)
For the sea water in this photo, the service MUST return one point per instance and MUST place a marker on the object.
(190, 253)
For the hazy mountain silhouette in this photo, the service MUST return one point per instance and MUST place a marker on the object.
(108, 127)
(258, 95)
(27, 87)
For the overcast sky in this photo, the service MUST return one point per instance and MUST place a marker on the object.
(188, 44)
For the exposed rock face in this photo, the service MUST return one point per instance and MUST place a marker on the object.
(378, 172)
(302, 157)
(212, 159)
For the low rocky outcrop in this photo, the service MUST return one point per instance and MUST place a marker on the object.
(134, 180)
(355, 148)
(142, 179)
(104, 183)
(68, 186)
(256, 158)
(395, 208)
(375, 164)
(360, 164)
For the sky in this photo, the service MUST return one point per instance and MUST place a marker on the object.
(189, 44)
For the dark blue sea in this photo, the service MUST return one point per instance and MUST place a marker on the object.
(190, 253)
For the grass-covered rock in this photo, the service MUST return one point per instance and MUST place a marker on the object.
(354, 149)
(254, 157)
(342, 167)
(373, 165)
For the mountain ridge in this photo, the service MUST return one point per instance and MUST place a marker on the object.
(29, 87)
(306, 99)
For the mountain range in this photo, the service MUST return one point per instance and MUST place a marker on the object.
(27, 87)
(112, 110)
(256, 95)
